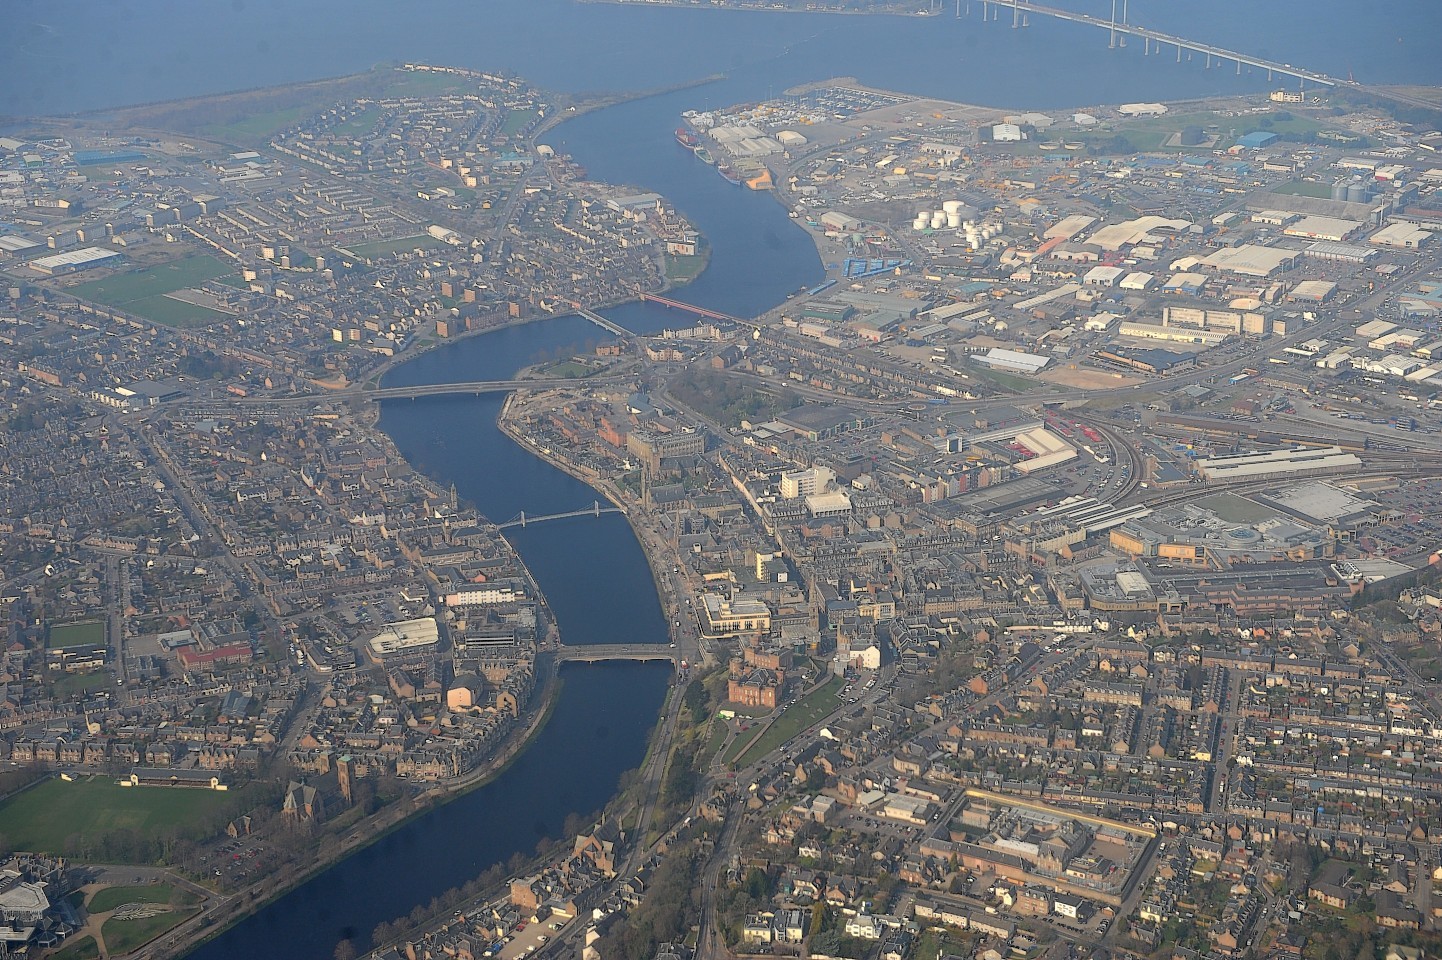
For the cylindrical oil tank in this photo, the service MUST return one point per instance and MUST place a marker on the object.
(953, 220)
(1339, 189)
(952, 206)
(938, 220)
(1357, 192)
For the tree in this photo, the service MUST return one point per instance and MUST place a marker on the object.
(345, 950)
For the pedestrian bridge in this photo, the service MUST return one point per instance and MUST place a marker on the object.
(522, 519)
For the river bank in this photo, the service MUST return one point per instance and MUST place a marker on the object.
(653, 547)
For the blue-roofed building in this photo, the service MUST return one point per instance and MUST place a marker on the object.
(1257, 139)
(91, 158)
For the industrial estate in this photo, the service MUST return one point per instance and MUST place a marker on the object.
(1056, 579)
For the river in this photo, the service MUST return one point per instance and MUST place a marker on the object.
(599, 588)
(76, 55)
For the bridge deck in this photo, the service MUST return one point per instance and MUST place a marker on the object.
(596, 653)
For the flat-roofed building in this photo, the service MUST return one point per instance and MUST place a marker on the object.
(404, 638)
(73, 261)
(731, 616)
(1251, 260)
(1322, 228)
(1402, 236)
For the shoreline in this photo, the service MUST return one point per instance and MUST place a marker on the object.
(604, 488)
(383, 823)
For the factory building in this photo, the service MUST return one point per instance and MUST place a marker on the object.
(73, 261)
(1149, 331)
(1251, 260)
(1401, 236)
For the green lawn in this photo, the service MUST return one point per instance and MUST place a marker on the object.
(516, 121)
(79, 634)
(714, 738)
(385, 248)
(359, 125)
(1007, 381)
(123, 936)
(126, 288)
(73, 683)
(1299, 188)
(566, 370)
(172, 312)
(83, 949)
(806, 711)
(258, 127)
(681, 269)
(43, 818)
(103, 901)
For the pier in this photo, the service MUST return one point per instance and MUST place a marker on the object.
(594, 510)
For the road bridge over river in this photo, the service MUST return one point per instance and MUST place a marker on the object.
(598, 652)
(1150, 38)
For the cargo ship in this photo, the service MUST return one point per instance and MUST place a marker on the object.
(729, 175)
(705, 157)
(686, 138)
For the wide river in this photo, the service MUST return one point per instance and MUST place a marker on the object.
(79, 55)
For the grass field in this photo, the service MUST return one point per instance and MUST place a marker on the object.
(359, 125)
(108, 899)
(123, 936)
(516, 121)
(714, 738)
(802, 714)
(1007, 381)
(75, 634)
(566, 370)
(681, 269)
(172, 312)
(127, 288)
(41, 819)
(73, 683)
(384, 248)
(257, 127)
(83, 949)
(1299, 188)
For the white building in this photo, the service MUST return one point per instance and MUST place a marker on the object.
(806, 483)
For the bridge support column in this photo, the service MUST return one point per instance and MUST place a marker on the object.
(1179, 53)
(1239, 68)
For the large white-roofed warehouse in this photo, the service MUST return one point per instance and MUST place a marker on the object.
(1279, 462)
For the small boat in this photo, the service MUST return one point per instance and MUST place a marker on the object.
(705, 157)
